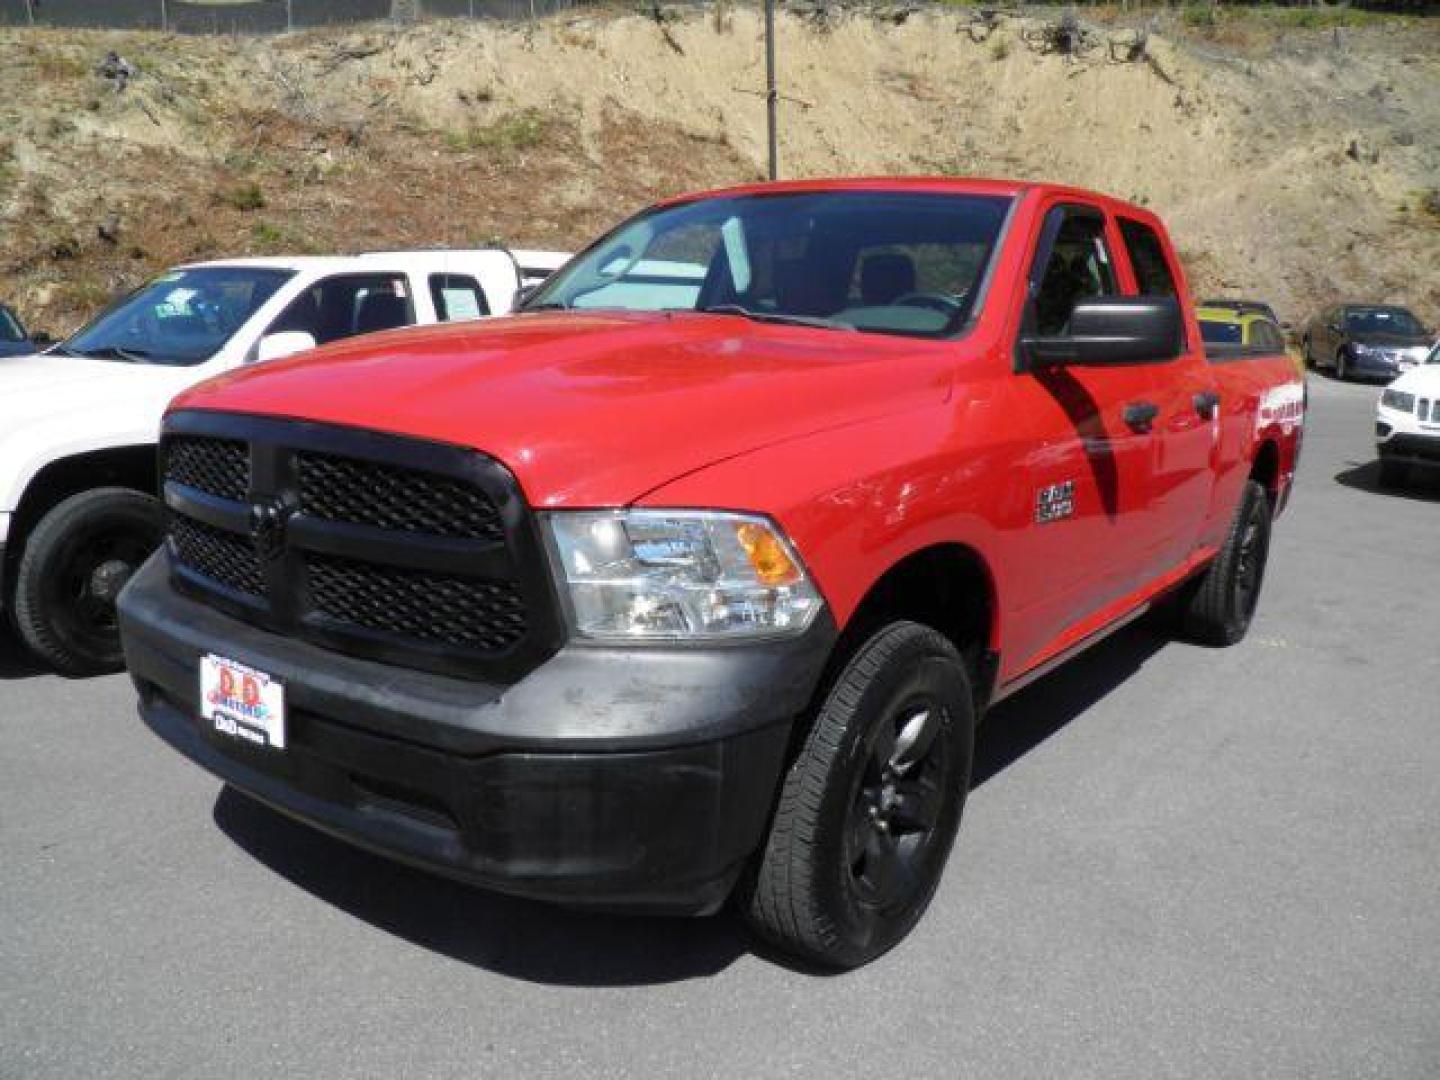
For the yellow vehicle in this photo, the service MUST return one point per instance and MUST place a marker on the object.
(1229, 326)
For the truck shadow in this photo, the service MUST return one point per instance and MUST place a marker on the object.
(1421, 485)
(549, 945)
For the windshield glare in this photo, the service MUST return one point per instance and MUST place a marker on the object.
(886, 262)
(181, 318)
(1381, 321)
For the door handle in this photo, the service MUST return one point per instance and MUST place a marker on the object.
(1140, 415)
(1207, 404)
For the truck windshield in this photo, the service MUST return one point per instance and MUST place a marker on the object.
(182, 317)
(884, 262)
(1382, 320)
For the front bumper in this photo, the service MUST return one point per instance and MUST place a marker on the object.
(636, 779)
(1410, 447)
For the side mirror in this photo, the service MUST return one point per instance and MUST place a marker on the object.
(1112, 330)
(281, 345)
(522, 294)
(1333, 327)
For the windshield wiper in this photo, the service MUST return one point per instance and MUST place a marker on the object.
(775, 317)
(114, 352)
(549, 305)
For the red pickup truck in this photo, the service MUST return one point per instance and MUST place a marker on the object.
(692, 581)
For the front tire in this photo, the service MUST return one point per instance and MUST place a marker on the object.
(869, 809)
(76, 561)
(1219, 609)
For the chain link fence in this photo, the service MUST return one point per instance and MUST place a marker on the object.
(256, 16)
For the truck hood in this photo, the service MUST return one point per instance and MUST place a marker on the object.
(40, 389)
(52, 406)
(1423, 381)
(1391, 341)
(596, 409)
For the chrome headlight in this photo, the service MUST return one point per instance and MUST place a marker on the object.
(1398, 400)
(1368, 350)
(680, 575)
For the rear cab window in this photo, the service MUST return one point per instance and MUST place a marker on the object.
(1151, 266)
(458, 298)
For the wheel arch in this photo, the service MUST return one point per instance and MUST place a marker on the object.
(949, 587)
(132, 466)
(1265, 469)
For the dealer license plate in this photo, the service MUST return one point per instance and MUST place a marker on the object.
(242, 703)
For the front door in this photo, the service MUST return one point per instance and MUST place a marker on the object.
(1088, 469)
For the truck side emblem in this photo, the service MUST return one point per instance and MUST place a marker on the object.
(1055, 502)
(267, 529)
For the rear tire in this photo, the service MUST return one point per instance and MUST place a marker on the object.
(1219, 609)
(76, 561)
(869, 809)
(1393, 473)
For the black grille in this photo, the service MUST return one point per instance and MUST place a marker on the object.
(387, 497)
(463, 612)
(219, 467)
(411, 552)
(216, 554)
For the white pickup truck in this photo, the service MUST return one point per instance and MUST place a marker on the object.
(79, 423)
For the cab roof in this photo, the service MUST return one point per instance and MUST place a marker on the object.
(954, 185)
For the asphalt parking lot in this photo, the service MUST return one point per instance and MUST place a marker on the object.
(1176, 862)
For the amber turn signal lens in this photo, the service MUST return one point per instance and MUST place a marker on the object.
(772, 563)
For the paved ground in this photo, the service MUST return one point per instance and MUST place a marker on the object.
(1178, 862)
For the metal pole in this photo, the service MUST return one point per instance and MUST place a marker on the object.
(770, 94)
(30, 11)
(164, 18)
(290, 16)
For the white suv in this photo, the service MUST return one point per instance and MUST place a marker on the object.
(1407, 421)
(79, 423)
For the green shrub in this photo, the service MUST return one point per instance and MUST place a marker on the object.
(244, 197)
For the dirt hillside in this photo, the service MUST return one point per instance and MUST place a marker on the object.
(1298, 164)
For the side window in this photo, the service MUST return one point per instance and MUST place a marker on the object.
(457, 297)
(341, 307)
(1147, 257)
(1078, 268)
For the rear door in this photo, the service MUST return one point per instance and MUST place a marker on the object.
(1089, 460)
(1187, 425)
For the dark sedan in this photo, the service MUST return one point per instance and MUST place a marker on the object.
(1369, 341)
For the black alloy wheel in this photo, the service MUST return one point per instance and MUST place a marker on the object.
(869, 808)
(894, 815)
(1218, 607)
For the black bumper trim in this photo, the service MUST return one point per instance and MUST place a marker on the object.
(634, 779)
